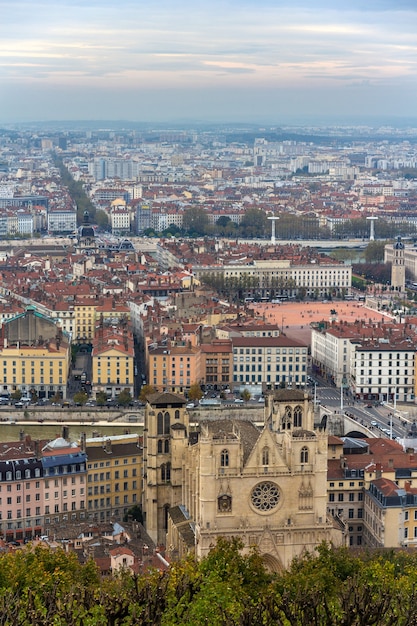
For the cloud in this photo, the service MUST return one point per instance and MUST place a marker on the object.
(302, 44)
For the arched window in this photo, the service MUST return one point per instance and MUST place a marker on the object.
(18, 475)
(166, 423)
(159, 446)
(286, 421)
(177, 414)
(304, 455)
(166, 511)
(298, 417)
(27, 473)
(166, 446)
(160, 424)
(166, 472)
(224, 458)
(265, 456)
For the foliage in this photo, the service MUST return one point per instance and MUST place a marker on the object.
(16, 395)
(245, 395)
(254, 224)
(377, 272)
(80, 397)
(124, 398)
(196, 221)
(101, 398)
(147, 390)
(374, 252)
(135, 513)
(195, 392)
(329, 587)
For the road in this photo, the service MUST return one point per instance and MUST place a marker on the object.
(375, 418)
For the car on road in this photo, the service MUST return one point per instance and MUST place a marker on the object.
(374, 423)
(238, 401)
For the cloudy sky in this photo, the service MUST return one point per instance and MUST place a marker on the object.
(275, 61)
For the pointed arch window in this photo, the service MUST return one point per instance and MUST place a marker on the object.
(286, 421)
(304, 455)
(224, 458)
(166, 472)
(166, 423)
(298, 417)
(166, 446)
(159, 446)
(177, 414)
(160, 423)
(265, 456)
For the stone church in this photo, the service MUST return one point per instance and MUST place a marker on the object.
(229, 477)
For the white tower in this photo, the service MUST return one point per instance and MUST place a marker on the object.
(273, 219)
(372, 219)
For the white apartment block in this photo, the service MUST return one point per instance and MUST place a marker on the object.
(384, 371)
(315, 279)
(269, 360)
(373, 369)
(120, 220)
(62, 221)
(331, 355)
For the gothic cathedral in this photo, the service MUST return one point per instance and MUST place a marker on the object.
(228, 477)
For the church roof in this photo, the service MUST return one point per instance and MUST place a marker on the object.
(289, 395)
(165, 398)
(240, 430)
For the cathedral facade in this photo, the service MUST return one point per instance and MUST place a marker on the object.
(228, 477)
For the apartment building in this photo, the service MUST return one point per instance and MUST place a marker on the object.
(41, 484)
(270, 360)
(375, 361)
(114, 483)
(217, 364)
(35, 355)
(174, 368)
(113, 361)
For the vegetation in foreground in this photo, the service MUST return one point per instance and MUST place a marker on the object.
(331, 588)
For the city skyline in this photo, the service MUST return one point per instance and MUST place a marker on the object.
(267, 62)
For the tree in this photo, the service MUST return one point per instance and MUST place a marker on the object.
(80, 398)
(101, 398)
(124, 398)
(254, 223)
(16, 395)
(147, 390)
(195, 221)
(195, 392)
(102, 219)
(374, 252)
(245, 395)
(135, 513)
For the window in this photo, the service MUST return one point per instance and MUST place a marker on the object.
(265, 456)
(340, 497)
(304, 455)
(331, 497)
(224, 458)
(298, 413)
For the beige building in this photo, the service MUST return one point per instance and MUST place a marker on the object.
(229, 478)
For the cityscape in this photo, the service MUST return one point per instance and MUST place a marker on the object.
(161, 287)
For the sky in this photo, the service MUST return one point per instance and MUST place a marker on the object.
(253, 61)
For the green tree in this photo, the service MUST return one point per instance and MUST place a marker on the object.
(124, 398)
(195, 221)
(101, 398)
(102, 219)
(80, 398)
(195, 392)
(245, 395)
(374, 252)
(16, 395)
(254, 223)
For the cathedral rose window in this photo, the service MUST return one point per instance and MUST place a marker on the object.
(265, 496)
